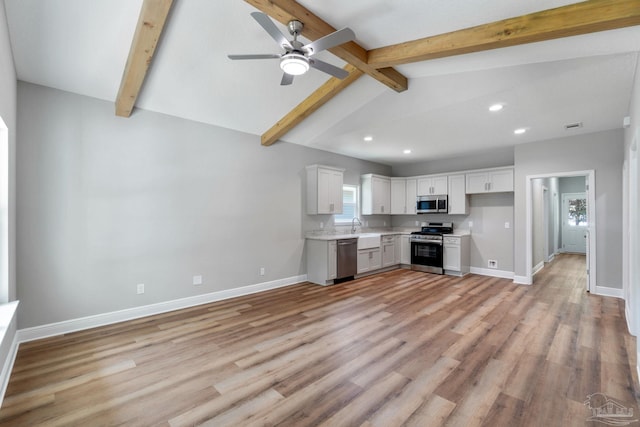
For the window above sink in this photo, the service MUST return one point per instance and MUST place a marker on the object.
(350, 205)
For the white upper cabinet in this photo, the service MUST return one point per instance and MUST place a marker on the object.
(376, 195)
(412, 191)
(398, 196)
(458, 199)
(490, 181)
(403, 196)
(432, 185)
(324, 190)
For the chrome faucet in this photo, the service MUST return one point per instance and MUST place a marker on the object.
(353, 224)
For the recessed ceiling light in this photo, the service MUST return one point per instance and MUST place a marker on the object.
(407, 151)
(519, 131)
(496, 107)
(368, 138)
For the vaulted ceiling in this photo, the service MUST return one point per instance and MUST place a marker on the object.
(82, 47)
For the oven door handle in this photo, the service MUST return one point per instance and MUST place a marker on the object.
(428, 242)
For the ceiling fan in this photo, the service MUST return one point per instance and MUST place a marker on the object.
(297, 57)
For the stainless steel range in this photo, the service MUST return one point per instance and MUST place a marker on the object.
(426, 247)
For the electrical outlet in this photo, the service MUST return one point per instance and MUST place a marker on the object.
(492, 263)
(507, 225)
(140, 288)
(321, 225)
(417, 223)
(470, 224)
(197, 280)
(262, 271)
(384, 223)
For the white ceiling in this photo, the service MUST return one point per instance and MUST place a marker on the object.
(82, 46)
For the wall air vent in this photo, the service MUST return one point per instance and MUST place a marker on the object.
(573, 125)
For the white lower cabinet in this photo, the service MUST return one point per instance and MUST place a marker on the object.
(405, 249)
(456, 255)
(369, 260)
(388, 251)
(398, 244)
(322, 257)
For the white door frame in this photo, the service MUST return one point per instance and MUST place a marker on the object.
(591, 229)
(545, 222)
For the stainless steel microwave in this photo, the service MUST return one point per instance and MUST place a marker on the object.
(432, 204)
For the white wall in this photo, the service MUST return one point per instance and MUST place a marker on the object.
(632, 232)
(8, 113)
(554, 216)
(538, 233)
(106, 203)
(7, 248)
(602, 152)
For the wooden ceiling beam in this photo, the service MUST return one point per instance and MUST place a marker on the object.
(321, 96)
(284, 11)
(575, 19)
(153, 16)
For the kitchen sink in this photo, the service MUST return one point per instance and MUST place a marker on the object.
(368, 240)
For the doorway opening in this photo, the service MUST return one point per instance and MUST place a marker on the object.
(574, 223)
(580, 212)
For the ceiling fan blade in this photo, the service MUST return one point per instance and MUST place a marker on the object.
(257, 56)
(328, 68)
(327, 42)
(268, 25)
(287, 79)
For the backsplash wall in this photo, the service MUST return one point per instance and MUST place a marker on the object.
(490, 239)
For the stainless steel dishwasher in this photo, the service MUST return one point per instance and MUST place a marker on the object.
(347, 258)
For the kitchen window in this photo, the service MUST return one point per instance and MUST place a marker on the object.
(350, 208)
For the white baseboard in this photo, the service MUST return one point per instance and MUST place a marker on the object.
(537, 268)
(522, 280)
(74, 325)
(608, 292)
(491, 272)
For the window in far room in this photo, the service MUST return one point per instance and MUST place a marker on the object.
(350, 208)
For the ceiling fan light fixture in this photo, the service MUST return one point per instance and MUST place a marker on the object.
(294, 64)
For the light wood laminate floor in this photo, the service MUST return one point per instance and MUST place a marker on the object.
(398, 348)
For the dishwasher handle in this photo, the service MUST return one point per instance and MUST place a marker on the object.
(347, 242)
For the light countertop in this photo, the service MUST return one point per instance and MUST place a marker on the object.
(328, 236)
